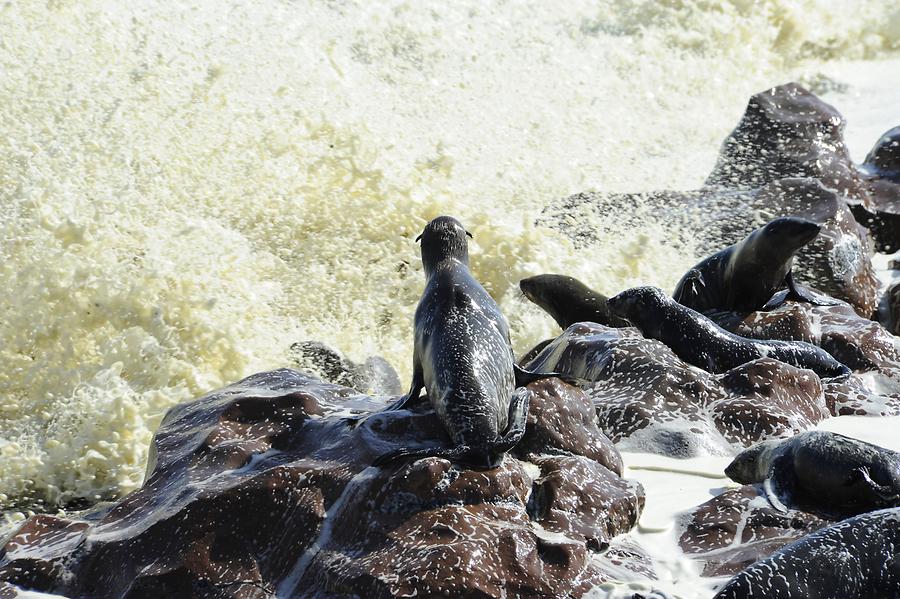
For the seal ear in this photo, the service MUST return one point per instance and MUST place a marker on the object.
(419, 238)
(470, 235)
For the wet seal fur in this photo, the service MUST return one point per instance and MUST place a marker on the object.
(825, 473)
(463, 357)
(743, 277)
(857, 558)
(568, 300)
(699, 341)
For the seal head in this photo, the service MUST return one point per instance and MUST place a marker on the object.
(568, 300)
(444, 238)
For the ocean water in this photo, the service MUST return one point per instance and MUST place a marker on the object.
(188, 188)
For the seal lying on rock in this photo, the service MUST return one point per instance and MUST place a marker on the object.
(822, 472)
(743, 277)
(699, 341)
(568, 300)
(463, 357)
(856, 558)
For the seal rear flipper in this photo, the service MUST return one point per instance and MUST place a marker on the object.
(800, 293)
(523, 377)
(516, 422)
(882, 495)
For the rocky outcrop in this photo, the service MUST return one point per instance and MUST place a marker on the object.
(786, 157)
(266, 487)
(647, 399)
(735, 529)
(863, 345)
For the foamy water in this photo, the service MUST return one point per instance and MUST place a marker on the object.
(186, 189)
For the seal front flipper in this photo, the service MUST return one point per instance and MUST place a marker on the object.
(691, 285)
(523, 377)
(453, 453)
(779, 484)
(415, 389)
(800, 293)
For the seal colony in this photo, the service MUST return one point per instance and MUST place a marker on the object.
(293, 454)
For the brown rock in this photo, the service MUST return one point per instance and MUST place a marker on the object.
(266, 487)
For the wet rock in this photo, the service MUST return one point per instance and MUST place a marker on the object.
(863, 345)
(649, 400)
(787, 131)
(738, 527)
(853, 558)
(786, 157)
(374, 376)
(266, 488)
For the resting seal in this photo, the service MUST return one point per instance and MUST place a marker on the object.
(568, 300)
(743, 277)
(822, 472)
(463, 357)
(699, 341)
(853, 559)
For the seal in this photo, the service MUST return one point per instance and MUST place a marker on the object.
(463, 357)
(568, 300)
(821, 472)
(743, 277)
(854, 558)
(699, 341)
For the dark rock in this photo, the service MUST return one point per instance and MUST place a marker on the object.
(855, 558)
(374, 376)
(733, 530)
(863, 345)
(265, 487)
(649, 400)
(787, 131)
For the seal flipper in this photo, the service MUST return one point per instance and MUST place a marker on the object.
(415, 389)
(515, 425)
(860, 477)
(523, 377)
(693, 282)
(797, 292)
(779, 483)
(453, 453)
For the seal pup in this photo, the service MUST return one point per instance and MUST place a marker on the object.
(699, 341)
(853, 559)
(743, 277)
(463, 357)
(568, 300)
(826, 473)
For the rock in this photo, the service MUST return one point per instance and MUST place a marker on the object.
(882, 170)
(374, 376)
(649, 400)
(863, 345)
(266, 487)
(738, 527)
(855, 558)
(787, 131)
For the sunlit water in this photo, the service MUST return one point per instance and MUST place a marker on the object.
(188, 188)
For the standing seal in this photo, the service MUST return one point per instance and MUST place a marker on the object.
(825, 473)
(568, 300)
(699, 341)
(858, 558)
(463, 357)
(743, 277)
